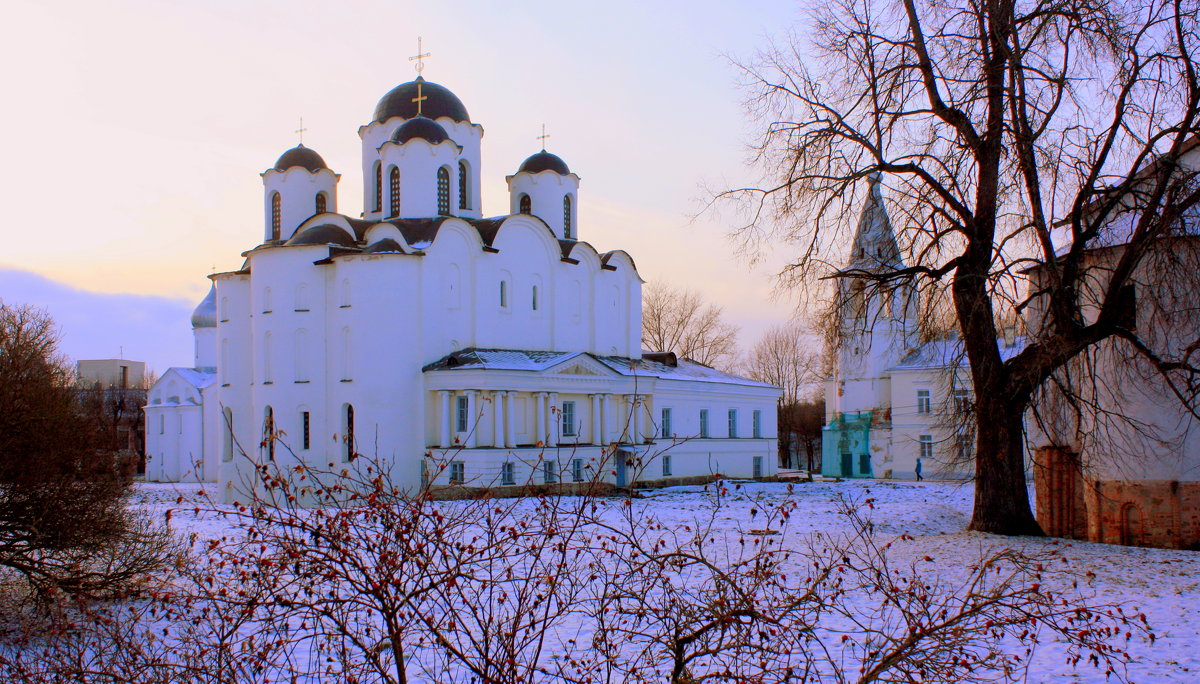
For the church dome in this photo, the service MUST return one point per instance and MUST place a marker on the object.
(420, 127)
(324, 234)
(300, 156)
(205, 313)
(439, 102)
(544, 161)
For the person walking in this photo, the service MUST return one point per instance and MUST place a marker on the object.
(919, 478)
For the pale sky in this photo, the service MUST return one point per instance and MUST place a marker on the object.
(134, 134)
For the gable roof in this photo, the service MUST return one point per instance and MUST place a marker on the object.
(538, 361)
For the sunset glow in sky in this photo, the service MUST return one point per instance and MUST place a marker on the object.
(134, 133)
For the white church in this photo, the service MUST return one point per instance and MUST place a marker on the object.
(457, 350)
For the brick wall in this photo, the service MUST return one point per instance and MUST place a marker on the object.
(1158, 513)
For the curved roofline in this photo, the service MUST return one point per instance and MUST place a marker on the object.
(306, 171)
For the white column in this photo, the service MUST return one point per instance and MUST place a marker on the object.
(510, 425)
(554, 419)
(594, 435)
(605, 412)
(472, 419)
(539, 430)
(444, 419)
(636, 412)
(498, 419)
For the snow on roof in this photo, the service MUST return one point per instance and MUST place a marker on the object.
(540, 361)
(942, 353)
(196, 378)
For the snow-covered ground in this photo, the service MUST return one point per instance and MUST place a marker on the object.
(1163, 584)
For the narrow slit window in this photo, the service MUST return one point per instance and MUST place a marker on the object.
(394, 191)
(464, 178)
(443, 188)
(378, 186)
(276, 215)
(567, 228)
(322, 203)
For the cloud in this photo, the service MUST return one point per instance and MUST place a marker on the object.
(97, 325)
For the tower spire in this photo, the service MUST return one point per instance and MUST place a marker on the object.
(875, 246)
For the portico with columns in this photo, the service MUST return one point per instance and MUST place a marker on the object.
(503, 415)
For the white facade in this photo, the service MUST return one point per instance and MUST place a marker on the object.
(382, 336)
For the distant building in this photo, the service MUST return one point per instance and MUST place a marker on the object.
(116, 390)
(893, 400)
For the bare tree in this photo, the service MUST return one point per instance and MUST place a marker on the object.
(790, 357)
(679, 320)
(64, 520)
(1008, 134)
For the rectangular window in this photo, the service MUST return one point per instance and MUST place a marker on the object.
(458, 472)
(704, 422)
(305, 434)
(864, 463)
(757, 415)
(758, 467)
(926, 446)
(462, 419)
(732, 423)
(550, 472)
(535, 298)
(568, 419)
(962, 402)
(503, 295)
(666, 423)
(508, 475)
(924, 403)
(577, 470)
(666, 463)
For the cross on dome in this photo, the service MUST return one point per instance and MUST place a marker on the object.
(302, 130)
(419, 58)
(420, 97)
(543, 137)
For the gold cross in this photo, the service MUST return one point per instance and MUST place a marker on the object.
(419, 58)
(543, 137)
(301, 130)
(419, 98)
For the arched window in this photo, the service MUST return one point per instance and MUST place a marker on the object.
(301, 355)
(567, 217)
(378, 186)
(464, 197)
(322, 202)
(443, 181)
(269, 432)
(535, 298)
(276, 211)
(525, 204)
(394, 191)
(348, 434)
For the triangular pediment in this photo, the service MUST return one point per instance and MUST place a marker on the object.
(581, 366)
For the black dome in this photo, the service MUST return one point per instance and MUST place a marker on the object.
(300, 156)
(420, 127)
(324, 234)
(544, 161)
(441, 102)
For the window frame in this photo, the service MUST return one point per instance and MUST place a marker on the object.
(524, 204)
(508, 473)
(464, 188)
(306, 430)
(666, 430)
(666, 465)
(733, 421)
(925, 444)
(924, 401)
(550, 471)
(577, 470)
(457, 472)
(567, 225)
(276, 216)
(756, 426)
(462, 410)
(567, 411)
(704, 423)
